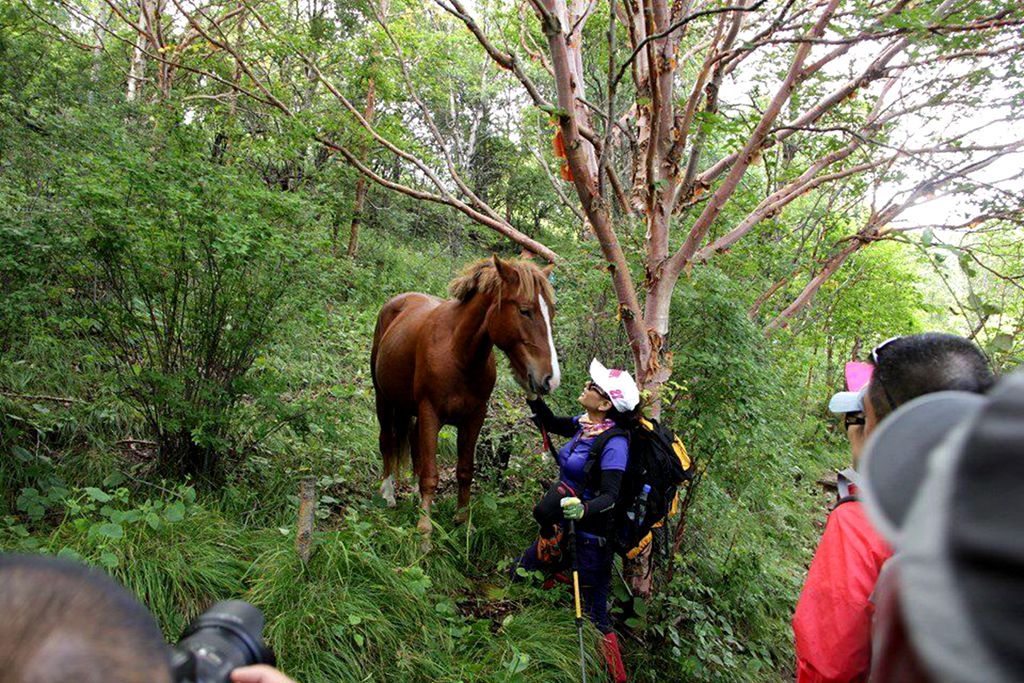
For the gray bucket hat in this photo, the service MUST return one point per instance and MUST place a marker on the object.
(943, 481)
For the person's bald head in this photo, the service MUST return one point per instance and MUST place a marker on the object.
(61, 621)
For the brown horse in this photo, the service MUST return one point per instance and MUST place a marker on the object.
(433, 364)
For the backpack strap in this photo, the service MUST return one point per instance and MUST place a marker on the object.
(597, 448)
(845, 479)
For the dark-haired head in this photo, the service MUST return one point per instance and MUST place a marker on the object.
(624, 419)
(62, 621)
(915, 365)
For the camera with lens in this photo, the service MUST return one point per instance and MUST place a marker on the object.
(221, 639)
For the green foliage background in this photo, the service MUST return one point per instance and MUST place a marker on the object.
(179, 347)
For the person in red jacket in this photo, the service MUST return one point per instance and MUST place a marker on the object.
(832, 622)
(943, 478)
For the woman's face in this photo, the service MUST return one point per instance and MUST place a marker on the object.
(593, 399)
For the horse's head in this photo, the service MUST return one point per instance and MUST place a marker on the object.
(519, 318)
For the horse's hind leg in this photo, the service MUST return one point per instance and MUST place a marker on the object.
(388, 442)
(426, 462)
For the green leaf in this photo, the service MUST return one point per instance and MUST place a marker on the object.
(175, 512)
(554, 111)
(1002, 341)
(359, 639)
(113, 479)
(354, 619)
(68, 553)
(97, 494)
(153, 520)
(110, 530)
(520, 661)
(109, 560)
(21, 454)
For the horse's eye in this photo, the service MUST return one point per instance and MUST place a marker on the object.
(526, 312)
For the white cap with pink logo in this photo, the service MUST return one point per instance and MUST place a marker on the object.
(618, 384)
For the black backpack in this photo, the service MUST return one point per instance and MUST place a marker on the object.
(658, 465)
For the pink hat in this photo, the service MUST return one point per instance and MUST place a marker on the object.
(618, 384)
(858, 375)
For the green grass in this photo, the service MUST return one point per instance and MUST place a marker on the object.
(368, 606)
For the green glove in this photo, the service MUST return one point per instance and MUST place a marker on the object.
(572, 508)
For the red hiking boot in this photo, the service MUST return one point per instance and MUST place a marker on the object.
(557, 577)
(613, 658)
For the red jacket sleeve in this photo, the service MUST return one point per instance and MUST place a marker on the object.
(832, 624)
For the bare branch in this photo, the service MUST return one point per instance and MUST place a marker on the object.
(429, 120)
(754, 143)
(678, 25)
(506, 60)
(498, 226)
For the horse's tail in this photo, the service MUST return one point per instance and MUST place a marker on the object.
(378, 332)
(400, 457)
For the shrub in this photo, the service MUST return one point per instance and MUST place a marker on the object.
(191, 269)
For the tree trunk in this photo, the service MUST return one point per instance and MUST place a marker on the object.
(137, 66)
(307, 517)
(362, 186)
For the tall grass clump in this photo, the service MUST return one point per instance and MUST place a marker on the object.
(369, 606)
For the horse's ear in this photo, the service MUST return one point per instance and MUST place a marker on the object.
(505, 271)
(547, 270)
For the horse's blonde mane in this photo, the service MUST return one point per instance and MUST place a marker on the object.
(482, 276)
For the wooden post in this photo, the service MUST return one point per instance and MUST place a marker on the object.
(307, 514)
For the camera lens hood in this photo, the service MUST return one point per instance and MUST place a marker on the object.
(243, 622)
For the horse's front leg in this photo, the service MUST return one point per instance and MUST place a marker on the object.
(468, 434)
(426, 453)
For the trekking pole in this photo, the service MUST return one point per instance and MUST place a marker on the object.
(576, 596)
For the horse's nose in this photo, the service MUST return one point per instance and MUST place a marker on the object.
(547, 384)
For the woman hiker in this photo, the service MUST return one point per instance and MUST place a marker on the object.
(587, 495)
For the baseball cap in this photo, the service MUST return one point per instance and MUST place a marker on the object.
(942, 480)
(858, 374)
(848, 401)
(618, 384)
